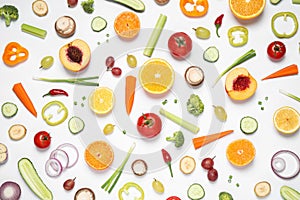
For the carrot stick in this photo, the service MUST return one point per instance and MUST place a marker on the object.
(129, 92)
(203, 140)
(24, 98)
(286, 71)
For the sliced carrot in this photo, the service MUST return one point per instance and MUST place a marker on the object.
(203, 140)
(286, 71)
(129, 92)
(24, 98)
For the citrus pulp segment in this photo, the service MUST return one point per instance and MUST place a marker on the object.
(156, 76)
(101, 100)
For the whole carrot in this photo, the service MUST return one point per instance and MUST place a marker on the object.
(286, 71)
(203, 140)
(24, 98)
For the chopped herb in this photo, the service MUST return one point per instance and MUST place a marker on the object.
(165, 102)
(237, 185)
(262, 108)
(124, 132)
(175, 100)
(266, 98)
(83, 98)
(259, 103)
(230, 178)
(75, 103)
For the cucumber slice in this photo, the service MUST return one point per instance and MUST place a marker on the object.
(98, 24)
(136, 5)
(195, 191)
(248, 125)
(76, 125)
(288, 193)
(9, 109)
(33, 180)
(274, 2)
(225, 196)
(211, 54)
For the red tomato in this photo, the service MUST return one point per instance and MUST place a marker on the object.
(149, 125)
(42, 139)
(276, 50)
(173, 198)
(180, 45)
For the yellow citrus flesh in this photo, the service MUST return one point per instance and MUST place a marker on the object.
(101, 100)
(127, 25)
(247, 9)
(99, 155)
(240, 152)
(286, 120)
(156, 76)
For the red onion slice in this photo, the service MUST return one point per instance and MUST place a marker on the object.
(285, 164)
(53, 167)
(10, 190)
(61, 156)
(72, 153)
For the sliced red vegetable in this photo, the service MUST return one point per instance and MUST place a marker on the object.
(53, 167)
(61, 156)
(285, 164)
(72, 153)
(167, 158)
(10, 190)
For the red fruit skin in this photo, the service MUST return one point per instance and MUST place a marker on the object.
(42, 139)
(72, 3)
(149, 130)
(180, 45)
(173, 198)
(212, 175)
(276, 50)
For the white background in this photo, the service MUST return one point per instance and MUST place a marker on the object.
(266, 140)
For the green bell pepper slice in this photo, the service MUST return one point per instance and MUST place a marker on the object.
(285, 15)
(129, 185)
(243, 36)
(61, 107)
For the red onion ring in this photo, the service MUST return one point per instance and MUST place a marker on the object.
(284, 166)
(66, 147)
(51, 170)
(61, 156)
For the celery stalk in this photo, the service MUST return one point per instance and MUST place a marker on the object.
(155, 35)
(34, 30)
(296, 1)
(185, 124)
(290, 95)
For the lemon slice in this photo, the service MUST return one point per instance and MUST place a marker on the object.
(286, 120)
(101, 100)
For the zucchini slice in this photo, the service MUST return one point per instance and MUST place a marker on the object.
(33, 180)
(248, 125)
(76, 125)
(9, 109)
(98, 24)
(211, 54)
(195, 191)
(136, 5)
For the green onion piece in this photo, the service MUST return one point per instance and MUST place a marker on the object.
(75, 103)
(34, 30)
(175, 100)
(155, 35)
(78, 81)
(237, 185)
(185, 124)
(262, 108)
(266, 98)
(124, 132)
(165, 102)
(290, 95)
(249, 54)
(259, 103)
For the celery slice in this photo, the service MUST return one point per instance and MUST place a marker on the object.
(155, 35)
(34, 30)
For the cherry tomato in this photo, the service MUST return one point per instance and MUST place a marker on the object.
(149, 125)
(180, 45)
(173, 198)
(276, 50)
(42, 139)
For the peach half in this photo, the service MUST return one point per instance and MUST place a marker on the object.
(239, 84)
(75, 56)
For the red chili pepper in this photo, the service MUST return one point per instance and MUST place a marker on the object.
(167, 159)
(55, 92)
(218, 23)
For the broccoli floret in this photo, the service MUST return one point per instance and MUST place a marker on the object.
(9, 12)
(88, 6)
(177, 137)
(195, 105)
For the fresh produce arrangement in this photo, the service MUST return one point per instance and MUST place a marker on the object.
(167, 110)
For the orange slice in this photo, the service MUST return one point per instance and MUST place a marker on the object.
(127, 25)
(101, 100)
(247, 9)
(286, 120)
(156, 76)
(240, 152)
(99, 155)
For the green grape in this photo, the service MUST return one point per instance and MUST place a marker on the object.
(202, 33)
(131, 61)
(220, 113)
(158, 186)
(47, 62)
(108, 129)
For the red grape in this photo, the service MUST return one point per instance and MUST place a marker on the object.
(212, 174)
(109, 62)
(207, 163)
(69, 184)
(116, 71)
(72, 3)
